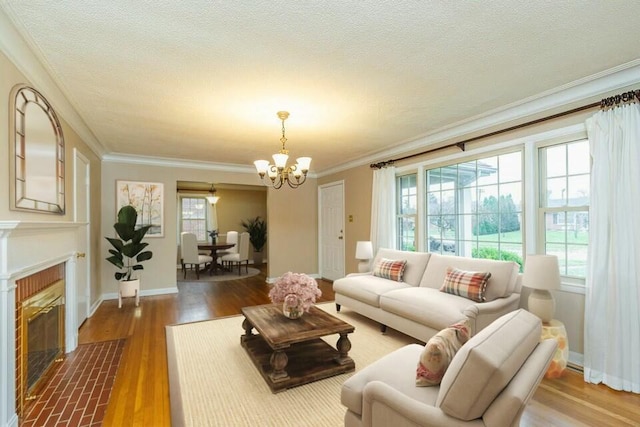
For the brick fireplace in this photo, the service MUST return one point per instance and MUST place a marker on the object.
(36, 258)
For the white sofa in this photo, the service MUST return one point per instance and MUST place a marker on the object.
(416, 306)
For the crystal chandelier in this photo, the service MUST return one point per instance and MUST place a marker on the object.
(279, 173)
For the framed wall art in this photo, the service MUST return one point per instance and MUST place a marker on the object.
(148, 199)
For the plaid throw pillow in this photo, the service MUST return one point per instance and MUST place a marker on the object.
(390, 269)
(468, 284)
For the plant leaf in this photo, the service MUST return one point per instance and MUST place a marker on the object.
(144, 256)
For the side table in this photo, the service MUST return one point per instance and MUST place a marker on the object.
(555, 329)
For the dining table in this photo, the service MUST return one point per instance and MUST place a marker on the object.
(214, 248)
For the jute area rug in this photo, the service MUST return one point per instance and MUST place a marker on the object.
(213, 382)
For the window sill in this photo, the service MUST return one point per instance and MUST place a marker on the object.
(573, 288)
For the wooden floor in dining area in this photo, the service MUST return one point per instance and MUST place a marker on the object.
(140, 394)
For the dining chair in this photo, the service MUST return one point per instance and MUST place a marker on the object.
(190, 255)
(242, 255)
(232, 237)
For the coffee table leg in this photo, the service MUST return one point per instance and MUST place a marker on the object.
(343, 346)
(278, 362)
(247, 326)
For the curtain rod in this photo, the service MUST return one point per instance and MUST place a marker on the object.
(605, 103)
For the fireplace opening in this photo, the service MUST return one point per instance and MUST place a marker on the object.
(43, 336)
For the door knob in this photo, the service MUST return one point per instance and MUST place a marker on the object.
(80, 255)
(340, 237)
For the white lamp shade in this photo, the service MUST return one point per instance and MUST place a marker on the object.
(364, 250)
(261, 165)
(297, 172)
(541, 272)
(304, 163)
(213, 199)
(280, 160)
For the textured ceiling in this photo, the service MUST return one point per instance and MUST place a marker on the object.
(203, 80)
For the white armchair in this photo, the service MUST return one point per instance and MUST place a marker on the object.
(489, 382)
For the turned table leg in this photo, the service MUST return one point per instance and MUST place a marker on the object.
(343, 346)
(247, 326)
(278, 362)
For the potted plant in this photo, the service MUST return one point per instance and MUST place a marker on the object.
(128, 252)
(257, 229)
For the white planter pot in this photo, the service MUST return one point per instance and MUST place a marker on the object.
(129, 288)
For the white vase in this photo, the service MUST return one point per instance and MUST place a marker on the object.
(128, 288)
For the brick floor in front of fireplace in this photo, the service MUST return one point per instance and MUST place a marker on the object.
(78, 391)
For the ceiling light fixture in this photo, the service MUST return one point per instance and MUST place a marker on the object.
(212, 198)
(279, 173)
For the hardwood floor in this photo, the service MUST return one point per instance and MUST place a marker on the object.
(140, 395)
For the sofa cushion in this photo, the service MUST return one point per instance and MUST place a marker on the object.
(397, 369)
(439, 351)
(389, 269)
(426, 306)
(416, 263)
(467, 284)
(484, 366)
(366, 287)
(501, 283)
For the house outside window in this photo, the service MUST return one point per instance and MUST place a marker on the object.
(407, 194)
(474, 208)
(193, 217)
(564, 204)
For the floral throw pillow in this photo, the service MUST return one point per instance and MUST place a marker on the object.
(390, 269)
(439, 351)
(468, 284)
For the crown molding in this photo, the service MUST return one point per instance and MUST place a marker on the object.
(592, 86)
(176, 163)
(23, 55)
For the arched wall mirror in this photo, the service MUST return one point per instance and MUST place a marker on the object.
(37, 153)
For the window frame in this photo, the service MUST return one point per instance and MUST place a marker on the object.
(206, 214)
(402, 216)
(576, 282)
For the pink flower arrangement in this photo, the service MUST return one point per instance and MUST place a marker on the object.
(298, 284)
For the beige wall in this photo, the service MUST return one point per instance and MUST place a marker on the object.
(292, 226)
(357, 209)
(11, 76)
(235, 206)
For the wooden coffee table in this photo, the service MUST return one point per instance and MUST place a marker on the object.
(288, 352)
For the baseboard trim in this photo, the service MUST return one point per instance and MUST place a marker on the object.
(576, 360)
(143, 293)
(95, 306)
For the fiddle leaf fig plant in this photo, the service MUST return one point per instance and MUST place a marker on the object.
(128, 250)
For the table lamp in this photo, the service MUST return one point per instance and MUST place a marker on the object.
(364, 252)
(541, 273)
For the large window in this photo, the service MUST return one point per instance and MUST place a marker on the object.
(564, 204)
(474, 208)
(194, 216)
(407, 208)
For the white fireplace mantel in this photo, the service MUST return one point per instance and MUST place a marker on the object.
(27, 247)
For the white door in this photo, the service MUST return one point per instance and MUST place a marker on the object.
(81, 215)
(331, 230)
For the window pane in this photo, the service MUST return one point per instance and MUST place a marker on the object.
(448, 202)
(488, 171)
(577, 260)
(556, 160)
(434, 203)
(579, 158)
(433, 180)
(556, 192)
(510, 167)
(579, 186)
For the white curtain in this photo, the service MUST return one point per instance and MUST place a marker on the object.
(383, 209)
(212, 218)
(612, 307)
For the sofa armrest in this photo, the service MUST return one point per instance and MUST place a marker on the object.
(385, 406)
(484, 313)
